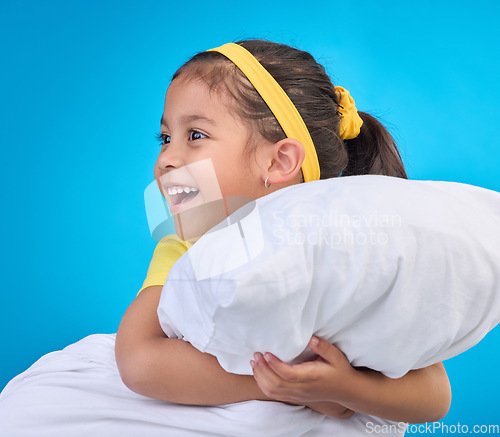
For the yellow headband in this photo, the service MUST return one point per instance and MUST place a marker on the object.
(285, 111)
(278, 102)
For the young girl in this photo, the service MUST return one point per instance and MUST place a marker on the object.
(217, 115)
(224, 108)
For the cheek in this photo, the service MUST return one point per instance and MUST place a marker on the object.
(240, 184)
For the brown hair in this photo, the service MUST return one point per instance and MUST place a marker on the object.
(306, 82)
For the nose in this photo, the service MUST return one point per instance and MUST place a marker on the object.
(169, 158)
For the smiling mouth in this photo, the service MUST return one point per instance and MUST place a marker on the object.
(181, 194)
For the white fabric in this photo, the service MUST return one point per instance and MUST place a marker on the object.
(398, 274)
(77, 392)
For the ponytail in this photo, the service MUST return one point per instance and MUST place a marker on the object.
(373, 151)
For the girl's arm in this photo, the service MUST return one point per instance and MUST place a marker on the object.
(171, 369)
(422, 395)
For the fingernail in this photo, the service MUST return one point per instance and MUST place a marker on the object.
(314, 341)
(252, 363)
(268, 357)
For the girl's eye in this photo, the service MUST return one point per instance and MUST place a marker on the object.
(165, 139)
(195, 135)
(162, 138)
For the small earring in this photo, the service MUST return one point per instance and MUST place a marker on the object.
(265, 182)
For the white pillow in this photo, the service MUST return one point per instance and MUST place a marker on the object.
(398, 274)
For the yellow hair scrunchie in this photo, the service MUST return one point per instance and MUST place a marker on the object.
(350, 121)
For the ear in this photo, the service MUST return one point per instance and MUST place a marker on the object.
(286, 160)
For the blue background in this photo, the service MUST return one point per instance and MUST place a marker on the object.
(82, 88)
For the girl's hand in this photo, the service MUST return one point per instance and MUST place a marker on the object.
(327, 378)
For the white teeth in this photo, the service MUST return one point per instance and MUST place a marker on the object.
(171, 191)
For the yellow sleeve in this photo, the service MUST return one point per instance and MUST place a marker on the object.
(167, 252)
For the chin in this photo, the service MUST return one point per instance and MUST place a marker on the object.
(193, 222)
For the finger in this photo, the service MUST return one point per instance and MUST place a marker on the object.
(264, 376)
(326, 350)
(264, 373)
(268, 381)
(295, 373)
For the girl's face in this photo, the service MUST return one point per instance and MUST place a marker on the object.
(201, 167)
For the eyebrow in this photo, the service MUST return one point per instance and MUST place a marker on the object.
(190, 118)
